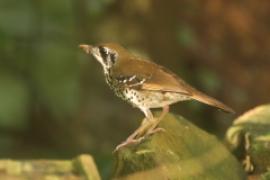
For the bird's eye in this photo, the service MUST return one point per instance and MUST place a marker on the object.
(108, 56)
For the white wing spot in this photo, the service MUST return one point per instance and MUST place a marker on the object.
(142, 81)
(132, 78)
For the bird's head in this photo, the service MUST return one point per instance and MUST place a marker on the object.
(108, 55)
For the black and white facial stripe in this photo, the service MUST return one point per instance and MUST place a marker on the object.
(103, 52)
(108, 56)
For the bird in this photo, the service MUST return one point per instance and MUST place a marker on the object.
(145, 85)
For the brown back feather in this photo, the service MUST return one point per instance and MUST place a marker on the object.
(159, 78)
(199, 96)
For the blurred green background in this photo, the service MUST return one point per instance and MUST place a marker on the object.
(54, 102)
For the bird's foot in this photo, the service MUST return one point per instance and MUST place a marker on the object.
(131, 141)
(127, 143)
(154, 131)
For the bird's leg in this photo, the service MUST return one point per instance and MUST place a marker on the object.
(147, 123)
(165, 111)
(135, 137)
(138, 130)
(154, 129)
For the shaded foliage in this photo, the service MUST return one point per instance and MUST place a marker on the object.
(53, 98)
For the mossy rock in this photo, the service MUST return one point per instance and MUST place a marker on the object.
(80, 168)
(249, 137)
(183, 152)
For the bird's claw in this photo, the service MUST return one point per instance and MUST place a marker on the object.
(128, 142)
(155, 130)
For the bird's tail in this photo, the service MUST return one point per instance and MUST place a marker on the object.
(199, 96)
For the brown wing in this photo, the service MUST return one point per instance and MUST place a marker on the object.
(155, 77)
(158, 78)
(163, 80)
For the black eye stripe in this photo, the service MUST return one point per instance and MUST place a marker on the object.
(113, 57)
(107, 55)
(103, 52)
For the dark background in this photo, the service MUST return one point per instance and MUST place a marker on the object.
(54, 102)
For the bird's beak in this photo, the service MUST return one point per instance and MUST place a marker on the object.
(87, 48)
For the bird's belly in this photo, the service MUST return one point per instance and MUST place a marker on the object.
(152, 99)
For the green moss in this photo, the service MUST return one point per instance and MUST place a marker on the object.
(83, 167)
(251, 134)
(183, 151)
